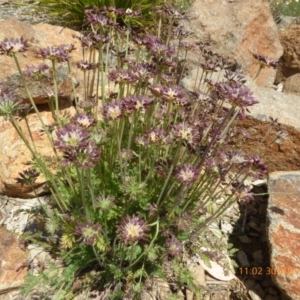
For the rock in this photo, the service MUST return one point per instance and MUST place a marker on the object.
(284, 230)
(285, 22)
(278, 146)
(40, 35)
(13, 262)
(198, 274)
(243, 259)
(289, 63)
(237, 28)
(254, 289)
(14, 154)
(292, 85)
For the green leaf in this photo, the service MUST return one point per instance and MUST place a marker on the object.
(133, 252)
(115, 271)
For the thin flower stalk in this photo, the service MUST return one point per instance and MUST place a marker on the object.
(33, 103)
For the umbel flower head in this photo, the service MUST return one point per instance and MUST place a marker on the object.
(187, 173)
(27, 177)
(88, 232)
(133, 229)
(85, 156)
(174, 247)
(71, 137)
(11, 46)
(56, 53)
(9, 105)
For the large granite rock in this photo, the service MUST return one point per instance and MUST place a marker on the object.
(13, 153)
(40, 35)
(235, 29)
(13, 262)
(284, 231)
(292, 85)
(289, 63)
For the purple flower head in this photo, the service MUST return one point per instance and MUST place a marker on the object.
(10, 46)
(122, 76)
(187, 46)
(27, 177)
(157, 47)
(171, 12)
(157, 136)
(35, 71)
(172, 93)
(88, 104)
(139, 42)
(84, 157)
(185, 132)
(187, 173)
(110, 12)
(174, 247)
(184, 221)
(88, 232)
(98, 39)
(266, 61)
(67, 47)
(86, 41)
(242, 192)
(236, 157)
(71, 137)
(83, 120)
(143, 71)
(152, 207)
(84, 65)
(100, 18)
(256, 167)
(236, 93)
(9, 104)
(209, 67)
(133, 103)
(113, 110)
(157, 89)
(127, 154)
(133, 229)
(233, 77)
(55, 53)
(141, 141)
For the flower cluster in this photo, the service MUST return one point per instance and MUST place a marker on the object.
(133, 229)
(174, 247)
(27, 177)
(88, 232)
(9, 104)
(187, 173)
(35, 71)
(56, 53)
(75, 143)
(12, 46)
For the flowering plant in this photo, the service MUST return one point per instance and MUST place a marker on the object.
(142, 162)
